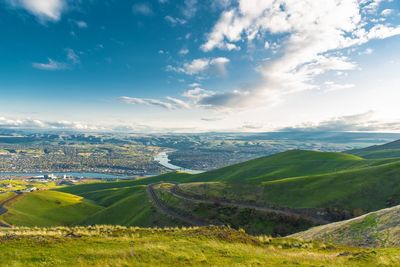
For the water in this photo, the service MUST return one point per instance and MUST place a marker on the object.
(90, 175)
(164, 160)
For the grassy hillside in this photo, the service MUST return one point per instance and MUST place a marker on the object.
(390, 150)
(6, 195)
(294, 179)
(118, 246)
(253, 221)
(48, 208)
(376, 229)
(287, 164)
(126, 206)
(358, 190)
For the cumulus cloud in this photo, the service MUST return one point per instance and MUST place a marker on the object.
(200, 65)
(314, 32)
(44, 10)
(358, 122)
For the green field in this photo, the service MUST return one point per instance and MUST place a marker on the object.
(118, 246)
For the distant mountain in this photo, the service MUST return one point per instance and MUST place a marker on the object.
(389, 150)
(375, 229)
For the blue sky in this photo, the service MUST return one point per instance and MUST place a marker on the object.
(193, 65)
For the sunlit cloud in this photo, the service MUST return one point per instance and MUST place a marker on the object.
(44, 10)
(315, 31)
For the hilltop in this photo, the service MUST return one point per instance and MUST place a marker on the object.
(375, 229)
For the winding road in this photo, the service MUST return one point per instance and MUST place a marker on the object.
(179, 194)
(175, 191)
(157, 203)
(3, 209)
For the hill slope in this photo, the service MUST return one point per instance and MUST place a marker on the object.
(357, 191)
(376, 229)
(48, 208)
(389, 150)
(287, 164)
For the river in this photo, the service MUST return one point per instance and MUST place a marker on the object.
(164, 160)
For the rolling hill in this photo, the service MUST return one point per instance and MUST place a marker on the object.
(375, 229)
(282, 165)
(333, 186)
(356, 191)
(389, 150)
(48, 208)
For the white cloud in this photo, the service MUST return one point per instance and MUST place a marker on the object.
(372, 6)
(41, 124)
(170, 103)
(190, 9)
(332, 86)
(314, 31)
(72, 56)
(387, 12)
(367, 51)
(142, 9)
(183, 51)
(51, 65)
(45, 10)
(200, 65)
(174, 21)
(81, 24)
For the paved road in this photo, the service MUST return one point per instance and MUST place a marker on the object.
(172, 213)
(179, 194)
(3, 209)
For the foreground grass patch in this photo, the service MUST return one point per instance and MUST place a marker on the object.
(121, 246)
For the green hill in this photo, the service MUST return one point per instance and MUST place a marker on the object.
(210, 246)
(287, 164)
(48, 208)
(294, 179)
(389, 150)
(126, 206)
(357, 191)
(376, 229)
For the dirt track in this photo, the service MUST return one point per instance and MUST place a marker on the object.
(172, 213)
(177, 193)
(3, 209)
